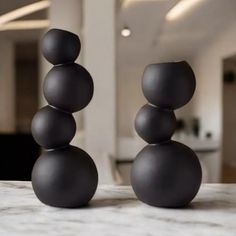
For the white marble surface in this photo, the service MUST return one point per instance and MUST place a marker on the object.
(116, 211)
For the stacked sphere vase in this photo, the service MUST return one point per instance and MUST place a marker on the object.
(165, 173)
(64, 175)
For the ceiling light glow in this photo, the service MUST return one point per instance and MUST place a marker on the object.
(25, 25)
(23, 11)
(180, 8)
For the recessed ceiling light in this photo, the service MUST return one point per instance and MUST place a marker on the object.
(126, 32)
(180, 8)
(23, 11)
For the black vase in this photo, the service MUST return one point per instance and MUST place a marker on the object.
(63, 176)
(165, 173)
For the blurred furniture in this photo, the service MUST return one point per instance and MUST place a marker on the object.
(106, 165)
(207, 150)
(18, 155)
(108, 171)
(116, 211)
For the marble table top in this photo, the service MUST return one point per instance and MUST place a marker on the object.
(116, 211)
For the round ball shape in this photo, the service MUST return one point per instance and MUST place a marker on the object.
(68, 87)
(168, 85)
(52, 128)
(60, 46)
(65, 178)
(166, 175)
(154, 124)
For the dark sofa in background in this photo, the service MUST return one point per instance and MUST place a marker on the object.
(17, 157)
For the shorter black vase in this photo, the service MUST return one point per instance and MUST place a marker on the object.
(166, 175)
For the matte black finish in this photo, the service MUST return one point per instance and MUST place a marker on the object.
(155, 125)
(65, 177)
(168, 85)
(68, 87)
(60, 46)
(52, 128)
(166, 175)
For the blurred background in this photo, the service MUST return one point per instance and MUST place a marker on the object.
(119, 38)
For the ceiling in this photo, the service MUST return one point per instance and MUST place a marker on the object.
(154, 39)
(23, 35)
(9, 5)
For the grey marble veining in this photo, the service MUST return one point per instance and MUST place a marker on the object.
(116, 211)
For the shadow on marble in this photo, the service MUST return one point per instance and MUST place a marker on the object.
(214, 204)
(118, 203)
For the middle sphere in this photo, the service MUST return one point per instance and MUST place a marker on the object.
(154, 124)
(52, 128)
(68, 87)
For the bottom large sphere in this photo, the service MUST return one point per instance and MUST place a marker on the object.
(65, 177)
(166, 175)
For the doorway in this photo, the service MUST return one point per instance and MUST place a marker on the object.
(18, 149)
(229, 120)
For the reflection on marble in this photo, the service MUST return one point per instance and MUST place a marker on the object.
(115, 211)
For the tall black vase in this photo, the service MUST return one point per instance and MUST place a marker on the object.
(165, 173)
(63, 176)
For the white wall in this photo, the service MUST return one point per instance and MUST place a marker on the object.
(7, 87)
(129, 98)
(100, 60)
(208, 100)
(207, 65)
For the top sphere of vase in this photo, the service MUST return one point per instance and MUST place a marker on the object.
(60, 46)
(168, 85)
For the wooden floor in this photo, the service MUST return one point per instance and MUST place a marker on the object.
(229, 174)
